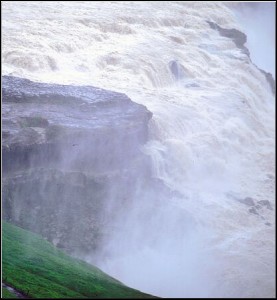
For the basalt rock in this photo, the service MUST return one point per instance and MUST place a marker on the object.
(66, 151)
(54, 124)
(240, 38)
(266, 203)
(247, 201)
(270, 80)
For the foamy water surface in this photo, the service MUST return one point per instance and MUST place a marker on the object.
(211, 136)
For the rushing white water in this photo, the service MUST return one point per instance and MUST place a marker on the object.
(212, 134)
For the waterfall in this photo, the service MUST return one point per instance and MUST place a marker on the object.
(211, 142)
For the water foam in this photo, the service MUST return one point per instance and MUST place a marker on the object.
(212, 133)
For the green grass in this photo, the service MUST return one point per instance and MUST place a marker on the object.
(6, 294)
(34, 266)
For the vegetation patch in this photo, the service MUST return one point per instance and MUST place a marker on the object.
(38, 269)
(6, 294)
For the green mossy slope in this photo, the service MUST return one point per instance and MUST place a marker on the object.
(6, 294)
(35, 267)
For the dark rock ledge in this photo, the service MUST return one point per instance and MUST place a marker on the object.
(240, 38)
(66, 151)
(54, 124)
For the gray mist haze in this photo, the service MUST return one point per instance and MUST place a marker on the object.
(161, 190)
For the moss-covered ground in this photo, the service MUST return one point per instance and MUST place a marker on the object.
(35, 267)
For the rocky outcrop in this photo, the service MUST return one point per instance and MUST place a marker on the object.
(256, 207)
(71, 125)
(270, 80)
(266, 204)
(64, 150)
(240, 38)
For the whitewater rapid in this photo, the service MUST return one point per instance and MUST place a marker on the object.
(211, 136)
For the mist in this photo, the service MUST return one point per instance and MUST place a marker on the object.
(157, 134)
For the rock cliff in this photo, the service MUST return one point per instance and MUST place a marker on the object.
(64, 150)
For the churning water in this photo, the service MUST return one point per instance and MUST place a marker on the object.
(211, 135)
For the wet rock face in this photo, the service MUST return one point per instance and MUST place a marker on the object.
(256, 207)
(270, 80)
(266, 204)
(86, 126)
(247, 201)
(238, 37)
(64, 149)
(67, 208)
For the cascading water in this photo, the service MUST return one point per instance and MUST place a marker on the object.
(211, 136)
